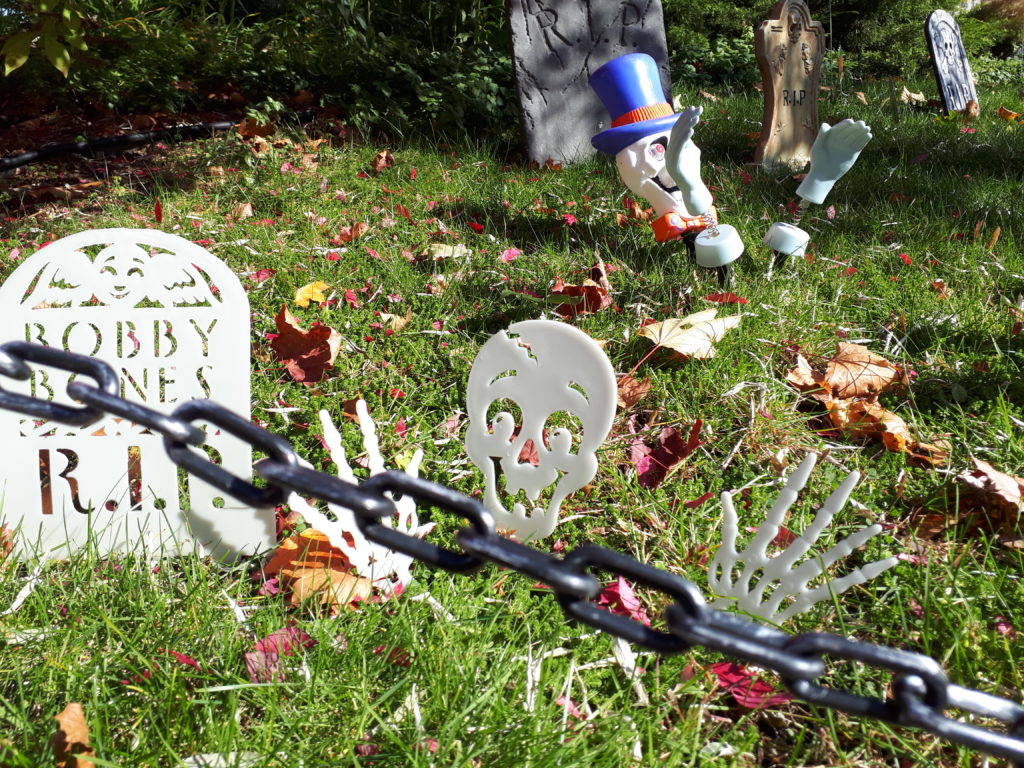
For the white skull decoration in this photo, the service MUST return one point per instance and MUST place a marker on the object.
(545, 368)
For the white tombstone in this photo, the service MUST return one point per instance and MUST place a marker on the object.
(173, 320)
(553, 374)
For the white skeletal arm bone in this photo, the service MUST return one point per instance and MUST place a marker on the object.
(386, 568)
(731, 572)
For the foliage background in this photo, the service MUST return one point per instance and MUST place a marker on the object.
(427, 64)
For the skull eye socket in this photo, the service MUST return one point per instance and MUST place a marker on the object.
(656, 150)
(506, 406)
(563, 433)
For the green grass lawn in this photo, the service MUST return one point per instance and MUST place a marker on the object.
(103, 630)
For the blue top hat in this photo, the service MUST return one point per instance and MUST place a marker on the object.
(630, 89)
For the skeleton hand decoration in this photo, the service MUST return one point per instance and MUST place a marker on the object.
(387, 569)
(834, 152)
(731, 573)
(549, 371)
(682, 160)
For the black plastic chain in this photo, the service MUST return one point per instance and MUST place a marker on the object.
(922, 694)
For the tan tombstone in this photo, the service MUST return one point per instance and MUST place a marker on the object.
(789, 48)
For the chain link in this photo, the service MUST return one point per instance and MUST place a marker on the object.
(921, 691)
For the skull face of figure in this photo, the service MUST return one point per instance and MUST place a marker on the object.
(120, 270)
(642, 168)
(547, 369)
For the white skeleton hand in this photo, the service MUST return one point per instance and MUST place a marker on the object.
(788, 581)
(386, 568)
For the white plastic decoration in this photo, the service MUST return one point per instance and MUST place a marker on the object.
(173, 320)
(387, 569)
(779, 578)
(834, 152)
(553, 374)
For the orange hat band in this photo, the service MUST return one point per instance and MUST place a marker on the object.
(643, 113)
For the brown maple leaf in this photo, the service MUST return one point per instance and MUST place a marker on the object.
(383, 159)
(631, 391)
(306, 355)
(856, 371)
(71, 741)
(591, 296)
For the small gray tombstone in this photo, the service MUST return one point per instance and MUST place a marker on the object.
(952, 71)
(557, 44)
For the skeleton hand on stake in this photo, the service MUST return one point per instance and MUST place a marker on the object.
(834, 152)
(682, 160)
(761, 600)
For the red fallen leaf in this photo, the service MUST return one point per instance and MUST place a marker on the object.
(400, 427)
(905, 258)
(412, 174)
(306, 355)
(350, 298)
(749, 691)
(395, 392)
(263, 275)
(158, 212)
(653, 463)
(620, 598)
(348, 234)
(783, 538)
(397, 656)
(188, 661)
(510, 254)
(793, 208)
(1005, 628)
(478, 228)
(383, 159)
(725, 298)
(591, 296)
(431, 745)
(698, 501)
(746, 178)
(263, 662)
(830, 212)
(569, 219)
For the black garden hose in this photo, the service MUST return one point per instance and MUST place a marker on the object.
(113, 143)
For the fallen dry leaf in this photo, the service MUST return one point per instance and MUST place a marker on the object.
(249, 129)
(856, 371)
(338, 590)
(350, 233)
(1007, 114)
(654, 462)
(306, 355)
(242, 211)
(632, 391)
(592, 295)
(867, 418)
(383, 159)
(439, 251)
(909, 97)
(309, 549)
(71, 741)
(310, 292)
(395, 322)
(941, 289)
(971, 110)
(692, 336)
(992, 487)
(806, 379)
(861, 97)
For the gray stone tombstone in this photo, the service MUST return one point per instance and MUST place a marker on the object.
(173, 321)
(557, 44)
(952, 71)
(789, 48)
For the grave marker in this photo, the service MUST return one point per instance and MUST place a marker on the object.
(789, 48)
(557, 45)
(174, 322)
(949, 59)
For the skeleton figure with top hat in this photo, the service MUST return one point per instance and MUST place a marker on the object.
(657, 159)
